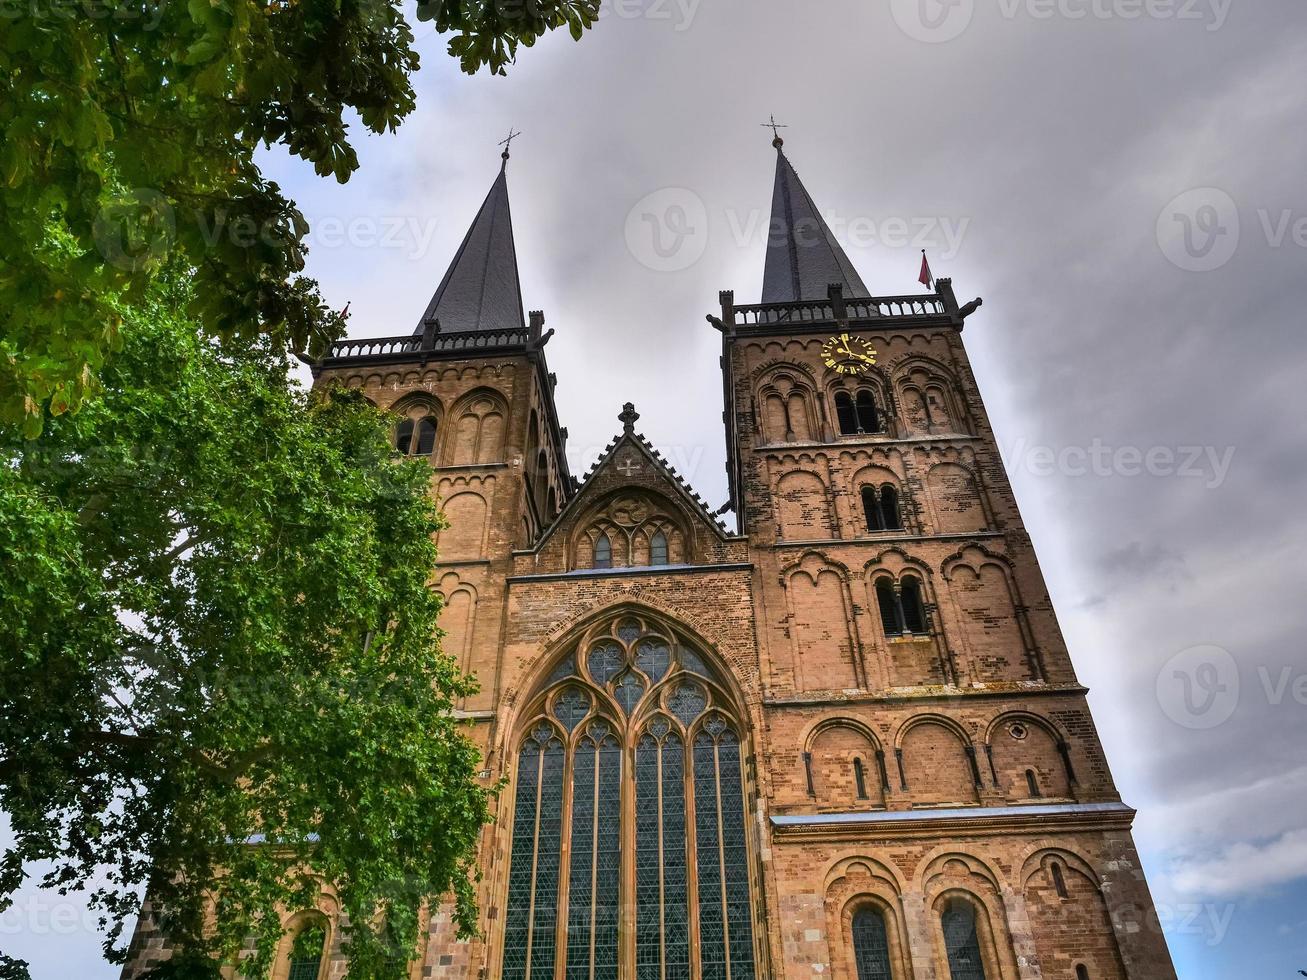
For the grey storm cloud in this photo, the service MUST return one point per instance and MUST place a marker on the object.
(1121, 180)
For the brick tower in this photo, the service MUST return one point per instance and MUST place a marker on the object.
(843, 739)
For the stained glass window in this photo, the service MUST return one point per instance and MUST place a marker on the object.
(870, 945)
(960, 942)
(689, 821)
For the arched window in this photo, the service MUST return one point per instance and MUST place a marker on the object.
(914, 611)
(404, 436)
(846, 414)
(658, 549)
(630, 691)
(870, 945)
(889, 508)
(1082, 972)
(1059, 880)
(860, 779)
(603, 552)
(416, 435)
(868, 418)
(1032, 784)
(881, 508)
(306, 952)
(426, 437)
(902, 610)
(960, 941)
(891, 616)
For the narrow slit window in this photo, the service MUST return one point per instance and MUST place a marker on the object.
(860, 778)
(1082, 972)
(1032, 784)
(1059, 880)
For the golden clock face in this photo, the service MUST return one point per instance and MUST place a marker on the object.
(848, 355)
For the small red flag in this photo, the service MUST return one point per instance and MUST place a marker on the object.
(926, 279)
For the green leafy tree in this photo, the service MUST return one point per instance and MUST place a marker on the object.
(218, 631)
(128, 132)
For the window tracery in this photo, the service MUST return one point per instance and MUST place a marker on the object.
(632, 747)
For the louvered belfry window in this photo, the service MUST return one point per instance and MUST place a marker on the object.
(631, 748)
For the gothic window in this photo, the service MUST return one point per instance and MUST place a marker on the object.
(868, 419)
(687, 836)
(846, 413)
(603, 552)
(870, 945)
(881, 508)
(658, 549)
(960, 941)
(1032, 784)
(416, 434)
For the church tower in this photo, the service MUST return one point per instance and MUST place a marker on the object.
(937, 798)
(844, 739)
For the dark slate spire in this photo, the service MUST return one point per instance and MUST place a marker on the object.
(803, 257)
(481, 289)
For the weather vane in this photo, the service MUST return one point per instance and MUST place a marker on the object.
(775, 127)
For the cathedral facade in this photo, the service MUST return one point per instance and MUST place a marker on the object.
(840, 738)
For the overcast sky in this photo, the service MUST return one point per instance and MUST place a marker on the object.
(1121, 180)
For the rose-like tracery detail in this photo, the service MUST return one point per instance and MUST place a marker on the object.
(639, 752)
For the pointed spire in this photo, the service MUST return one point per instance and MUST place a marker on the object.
(481, 290)
(803, 257)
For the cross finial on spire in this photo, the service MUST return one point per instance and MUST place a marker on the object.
(628, 417)
(507, 144)
(775, 127)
